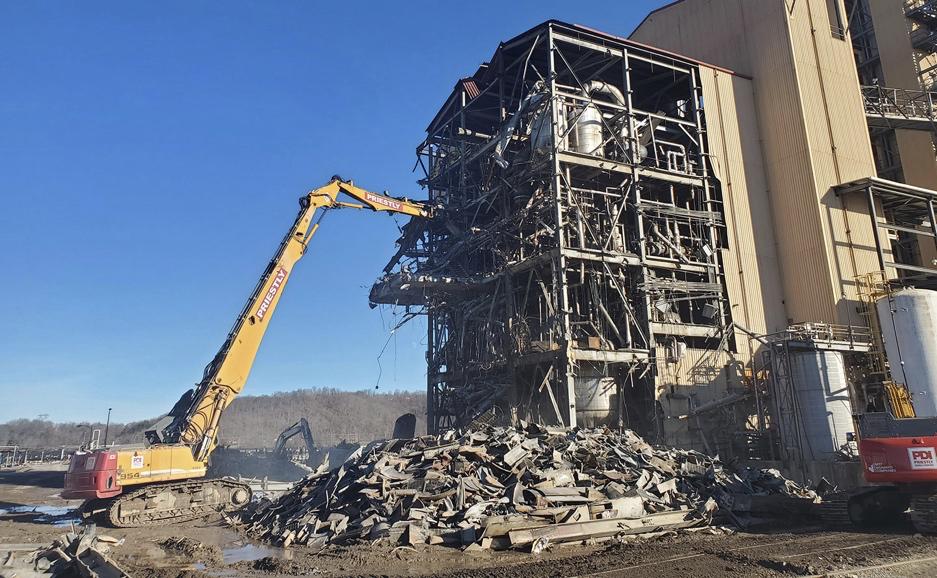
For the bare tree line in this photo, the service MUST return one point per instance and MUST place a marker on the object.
(250, 421)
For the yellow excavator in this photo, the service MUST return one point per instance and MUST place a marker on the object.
(162, 481)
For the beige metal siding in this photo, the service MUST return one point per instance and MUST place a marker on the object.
(719, 26)
(813, 133)
(750, 262)
(894, 44)
(834, 119)
(700, 377)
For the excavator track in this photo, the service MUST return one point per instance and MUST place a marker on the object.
(924, 513)
(869, 506)
(159, 504)
(834, 509)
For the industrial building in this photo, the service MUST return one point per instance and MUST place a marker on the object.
(697, 232)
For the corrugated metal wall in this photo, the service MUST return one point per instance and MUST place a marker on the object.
(751, 264)
(701, 376)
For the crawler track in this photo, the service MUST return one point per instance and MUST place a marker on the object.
(160, 504)
(924, 513)
(834, 510)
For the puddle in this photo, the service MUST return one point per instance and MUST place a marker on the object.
(44, 510)
(58, 516)
(251, 552)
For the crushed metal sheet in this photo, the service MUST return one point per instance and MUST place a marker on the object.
(515, 487)
(74, 554)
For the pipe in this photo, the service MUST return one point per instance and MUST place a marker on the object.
(504, 137)
(751, 334)
(611, 322)
(679, 254)
(603, 87)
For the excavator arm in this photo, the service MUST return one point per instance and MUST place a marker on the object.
(302, 426)
(194, 419)
(164, 481)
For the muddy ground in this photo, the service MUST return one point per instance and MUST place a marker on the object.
(31, 512)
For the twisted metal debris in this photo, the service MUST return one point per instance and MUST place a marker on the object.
(74, 554)
(508, 487)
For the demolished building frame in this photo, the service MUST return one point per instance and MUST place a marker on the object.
(579, 254)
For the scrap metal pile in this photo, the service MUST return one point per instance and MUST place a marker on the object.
(75, 554)
(506, 488)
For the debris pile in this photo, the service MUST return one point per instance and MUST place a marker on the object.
(74, 554)
(506, 488)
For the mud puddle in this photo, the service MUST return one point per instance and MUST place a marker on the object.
(58, 516)
(251, 552)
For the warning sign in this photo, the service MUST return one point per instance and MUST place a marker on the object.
(922, 458)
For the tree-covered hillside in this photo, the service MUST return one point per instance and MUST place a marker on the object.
(251, 421)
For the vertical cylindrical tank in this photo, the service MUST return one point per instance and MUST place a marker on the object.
(586, 136)
(596, 396)
(543, 132)
(824, 410)
(908, 319)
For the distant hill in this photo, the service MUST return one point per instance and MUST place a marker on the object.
(253, 421)
(333, 416)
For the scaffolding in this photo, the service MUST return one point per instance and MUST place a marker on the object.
(580, 241)
(898, 108)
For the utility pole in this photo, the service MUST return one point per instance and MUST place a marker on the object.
(107, 425)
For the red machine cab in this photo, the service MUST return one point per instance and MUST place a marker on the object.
(91, 475)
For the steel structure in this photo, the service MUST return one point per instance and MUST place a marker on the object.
(905, 224)
(579, 244)
(900, 108)
(922, 14)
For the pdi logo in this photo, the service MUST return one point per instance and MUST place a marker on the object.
(922, 458)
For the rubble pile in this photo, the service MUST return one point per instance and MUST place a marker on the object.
(507, 487)
(74, 554)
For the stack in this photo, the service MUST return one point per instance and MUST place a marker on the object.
(505, 487)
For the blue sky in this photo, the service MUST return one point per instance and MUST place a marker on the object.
(151, 157)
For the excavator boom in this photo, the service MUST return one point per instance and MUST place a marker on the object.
(180, 443)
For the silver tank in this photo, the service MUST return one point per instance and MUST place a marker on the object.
(586, 136)
(824, 410)
(909, 325)
(596, 396)
(542, 131)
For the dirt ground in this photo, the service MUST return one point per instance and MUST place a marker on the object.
(32, 513)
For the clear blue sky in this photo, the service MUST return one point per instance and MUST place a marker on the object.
(151, 157)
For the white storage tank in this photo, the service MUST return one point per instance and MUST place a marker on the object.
(909, 325)
(824, 410)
